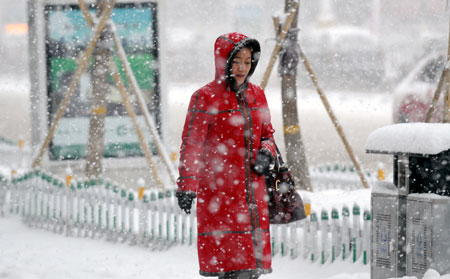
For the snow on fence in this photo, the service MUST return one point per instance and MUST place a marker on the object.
(340, 176)
(17, 155)
(102, 209)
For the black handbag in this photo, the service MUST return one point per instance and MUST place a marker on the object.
(285, 204)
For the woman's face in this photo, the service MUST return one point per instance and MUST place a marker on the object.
(241, 64)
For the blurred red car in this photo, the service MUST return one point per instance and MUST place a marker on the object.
(412, 97)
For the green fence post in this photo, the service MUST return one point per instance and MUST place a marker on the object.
(335, 235)
(367, 236)
(132, 199)
(160, 217)
(324, 234)
(283, 240)
(113, 234)
(168, 215)
(107, 202)
(345, 232)
(153, 210)
(356, 232)
(143, 219)
(123, 204)
(314, 244)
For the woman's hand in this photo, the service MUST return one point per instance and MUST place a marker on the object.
(185, 200)
(264, 159)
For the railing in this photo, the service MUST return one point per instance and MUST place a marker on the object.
(323, 177)
(324, 240)
(339, 176)
(102, 209)
(4, 140)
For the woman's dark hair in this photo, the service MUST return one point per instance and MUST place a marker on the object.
(255, 49)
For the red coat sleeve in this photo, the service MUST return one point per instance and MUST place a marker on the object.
(267, 140)
(193, 138)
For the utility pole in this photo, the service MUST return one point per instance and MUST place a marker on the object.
(100, 89)
(295, 150)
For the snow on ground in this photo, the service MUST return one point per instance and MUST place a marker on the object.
(34, 254)
(30, 254)
(27, 253)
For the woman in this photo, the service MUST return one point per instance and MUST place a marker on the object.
(227, 144)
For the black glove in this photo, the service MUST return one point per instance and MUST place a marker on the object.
(185, 200)
(264, 159)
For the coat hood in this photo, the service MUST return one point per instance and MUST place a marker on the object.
(226, 47)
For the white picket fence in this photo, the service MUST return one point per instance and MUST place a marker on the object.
(102, 209)
(339, 176)
(323, 177)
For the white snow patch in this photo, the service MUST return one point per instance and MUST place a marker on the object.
(431, 274)
(428, 196)
(417, 138)
(12, 86)
(383, 187)
(30, 253)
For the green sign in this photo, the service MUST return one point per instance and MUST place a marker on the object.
(67, 36)
(69, 140)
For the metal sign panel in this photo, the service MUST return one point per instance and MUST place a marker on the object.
(419, 237)
(428, 224)
(66, 35)
(386, 245)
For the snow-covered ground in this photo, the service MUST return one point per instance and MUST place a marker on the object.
(27, 253)
(34, 254)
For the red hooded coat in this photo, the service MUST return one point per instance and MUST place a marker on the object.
(222, 134)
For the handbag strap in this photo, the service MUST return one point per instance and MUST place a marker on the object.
(279, 159)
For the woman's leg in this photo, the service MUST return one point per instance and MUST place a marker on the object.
(240, 275)
(230, 275)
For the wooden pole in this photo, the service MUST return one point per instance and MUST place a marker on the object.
(126, 101)
(83, 63)
(100, 89)
(445, 76)
(333, 117)
(142, 106)
(436, 96)
(281, 37)
(293, 142)
(137, 91)
(86, 14)
(448, 104)
(446, 107)
(276, 25)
